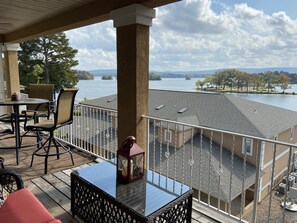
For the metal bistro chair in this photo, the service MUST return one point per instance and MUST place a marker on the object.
(44, 91)
(63, 115)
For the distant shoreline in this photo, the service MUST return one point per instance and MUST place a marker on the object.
(247, 92)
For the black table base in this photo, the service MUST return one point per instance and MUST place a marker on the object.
(94, 206)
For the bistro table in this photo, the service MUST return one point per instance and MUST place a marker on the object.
(16, 109)
(96, 196)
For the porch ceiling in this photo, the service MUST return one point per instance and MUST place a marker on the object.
(21, 20)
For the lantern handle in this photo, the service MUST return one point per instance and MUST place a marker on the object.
(128, 142)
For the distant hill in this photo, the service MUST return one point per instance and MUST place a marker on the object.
(197, 74)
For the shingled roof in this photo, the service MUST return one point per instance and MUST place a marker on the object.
(220, 111)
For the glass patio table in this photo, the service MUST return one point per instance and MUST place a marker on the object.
(16, 109)
(97, 196)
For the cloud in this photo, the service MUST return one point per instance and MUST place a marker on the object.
(199, 35)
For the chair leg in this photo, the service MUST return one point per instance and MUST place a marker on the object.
(60, 144)
(39, 148)
(47, 155)
(47, 151)
(57, 148)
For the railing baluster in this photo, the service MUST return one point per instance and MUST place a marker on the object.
(231, 174)
(167, 153)
(220, 170)
(175, 150)
(209, 168)
(288, 172)
(154, 146)
(242, 206)
(183, 156)
(100, 135)
(96, 131)
(161, 143)
(257, 181)
(147, 144)
(271, 181)
(191, 161)
(200, 163)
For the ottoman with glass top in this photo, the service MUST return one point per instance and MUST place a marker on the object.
(96, 196)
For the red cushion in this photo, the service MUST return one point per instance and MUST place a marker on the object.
(23, 207)
(55, 221)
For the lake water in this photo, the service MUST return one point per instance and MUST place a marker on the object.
(96, 88)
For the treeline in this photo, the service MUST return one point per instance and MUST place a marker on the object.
(155, 77)
(85, 75)
(236, 80)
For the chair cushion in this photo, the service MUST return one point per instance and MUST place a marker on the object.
(46, 124)
(23, 207)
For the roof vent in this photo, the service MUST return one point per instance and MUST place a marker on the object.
(182, 110)
(159, 107)
(110, 100)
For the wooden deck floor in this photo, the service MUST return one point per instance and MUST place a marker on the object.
(53, 189)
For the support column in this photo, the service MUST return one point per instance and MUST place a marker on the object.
(12, 68)
(132, 23)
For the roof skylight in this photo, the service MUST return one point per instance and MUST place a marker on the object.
(182, 110)
(110, 100)
(159, 107)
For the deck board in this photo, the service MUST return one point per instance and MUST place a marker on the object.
(54, 164)
(53, 207)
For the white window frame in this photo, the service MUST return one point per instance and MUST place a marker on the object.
(244, 149)
(167, 135)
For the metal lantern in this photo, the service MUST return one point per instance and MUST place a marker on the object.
(130, 161)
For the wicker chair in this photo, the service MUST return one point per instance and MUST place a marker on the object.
(20, 205)
(10, 181)
(62, 116)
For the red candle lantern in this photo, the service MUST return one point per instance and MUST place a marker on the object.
(130, 161)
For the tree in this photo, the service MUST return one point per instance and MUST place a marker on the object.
(85, 75)
(231, 75)
(200, 83)
(284, 82)
(270, 80)
(48, 59)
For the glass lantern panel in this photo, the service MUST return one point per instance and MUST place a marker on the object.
(137, 165)
(123, 165)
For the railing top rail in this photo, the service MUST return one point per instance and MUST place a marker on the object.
(222, 131)
(96, 107)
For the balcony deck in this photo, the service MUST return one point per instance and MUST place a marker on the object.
(53, 189)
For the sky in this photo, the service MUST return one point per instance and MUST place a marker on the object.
(196, 35)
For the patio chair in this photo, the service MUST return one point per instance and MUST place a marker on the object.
(63, 115)
(44, 91)
(18, 204)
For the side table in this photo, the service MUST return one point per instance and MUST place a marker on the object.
(96, 196)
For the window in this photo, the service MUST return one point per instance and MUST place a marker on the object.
(167, 135)
(247, 146)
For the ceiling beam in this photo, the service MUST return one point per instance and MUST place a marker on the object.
(91, 13)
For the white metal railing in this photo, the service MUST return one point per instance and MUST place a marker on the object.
(93, 130)
(224, 178)
(226, 182)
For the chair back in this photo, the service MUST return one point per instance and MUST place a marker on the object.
(65, 105)
(44, 91)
